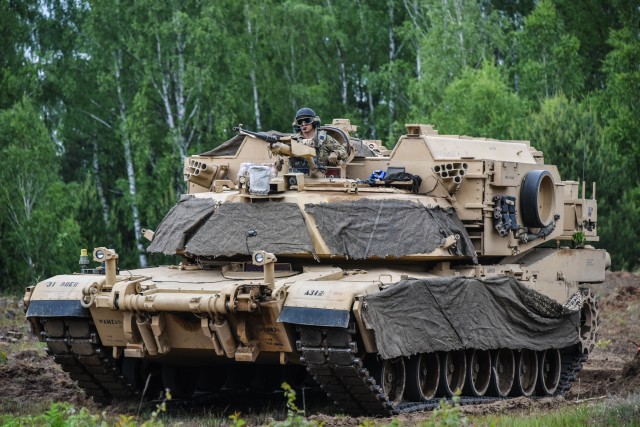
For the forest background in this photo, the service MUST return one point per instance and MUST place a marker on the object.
(100, 101)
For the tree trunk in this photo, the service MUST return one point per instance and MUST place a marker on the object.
(252, 74)
(392, 54)
(366, 88)
(98, 184)
(128, 157)
(343, 75)
(180, 108)
(459, 25)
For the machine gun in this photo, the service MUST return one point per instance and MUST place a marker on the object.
(271, 139)
(285, 145)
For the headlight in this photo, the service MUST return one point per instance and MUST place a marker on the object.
(102, 254)
(258, 258)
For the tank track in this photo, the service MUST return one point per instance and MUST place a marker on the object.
(330, 355)
(572, 363)
(74, 345)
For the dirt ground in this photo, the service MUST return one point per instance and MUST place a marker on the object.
(30, 380)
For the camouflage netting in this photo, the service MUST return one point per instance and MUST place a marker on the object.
(356, 229)
(200, 228)
(280, 228)
(387, 228)
(181, 221)
(449, 313)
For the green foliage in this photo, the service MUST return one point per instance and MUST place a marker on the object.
(615, 411)
(548, 56)
(479, 103)
(37, 209)
(603, 344)
(66, 415)
(448, 414)
(236, 420)
(370, 423)
(612, 412)
(579, 238)
(58, 415)
(452, 37)
(570, 135)
(295, 416)
(100, 102)
(3, 357)
(573, 137)
(618, 108)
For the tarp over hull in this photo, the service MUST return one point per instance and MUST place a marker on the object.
(179, 223)
(279, 228)
(202, 227)
(442, 314)
(355, 229)
(383, 228)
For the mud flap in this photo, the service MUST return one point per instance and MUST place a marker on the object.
(315, 317)
(56, 308)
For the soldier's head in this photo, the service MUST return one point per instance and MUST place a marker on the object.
(305, 117)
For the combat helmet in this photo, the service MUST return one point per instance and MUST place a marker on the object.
(305, 112)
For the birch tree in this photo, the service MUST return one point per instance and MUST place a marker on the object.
(548, 57)
(453, 35)
(253, 66)
(38, 213)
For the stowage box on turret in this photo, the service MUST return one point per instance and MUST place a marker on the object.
(392, 279)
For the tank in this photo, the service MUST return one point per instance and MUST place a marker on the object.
(447, 265)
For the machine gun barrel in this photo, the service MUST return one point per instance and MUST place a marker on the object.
(271, 139)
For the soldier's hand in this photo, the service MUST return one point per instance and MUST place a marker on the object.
(332, 160)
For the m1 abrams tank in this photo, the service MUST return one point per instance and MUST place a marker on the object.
(447, 265)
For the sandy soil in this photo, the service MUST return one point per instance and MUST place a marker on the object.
(29, 379)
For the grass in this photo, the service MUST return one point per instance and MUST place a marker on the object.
(611, 412)
(34, 412)
(65, 414)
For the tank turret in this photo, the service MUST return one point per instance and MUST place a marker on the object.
(447, 264)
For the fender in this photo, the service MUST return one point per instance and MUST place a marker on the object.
(61, 296)
(322, 303)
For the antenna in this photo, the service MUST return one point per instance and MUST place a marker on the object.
(250, 233)
(584, 158)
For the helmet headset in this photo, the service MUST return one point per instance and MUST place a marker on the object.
(305, 115)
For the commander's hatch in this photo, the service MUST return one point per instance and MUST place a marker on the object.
(248, 270)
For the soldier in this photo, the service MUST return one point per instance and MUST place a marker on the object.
(330, 151)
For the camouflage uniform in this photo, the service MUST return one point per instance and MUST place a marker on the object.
(327, 145)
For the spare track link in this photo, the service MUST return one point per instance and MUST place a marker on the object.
(74, 345)
(330, 355)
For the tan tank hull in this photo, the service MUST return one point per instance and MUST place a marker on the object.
(388, 293)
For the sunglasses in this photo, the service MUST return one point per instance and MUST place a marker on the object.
(304, 121)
